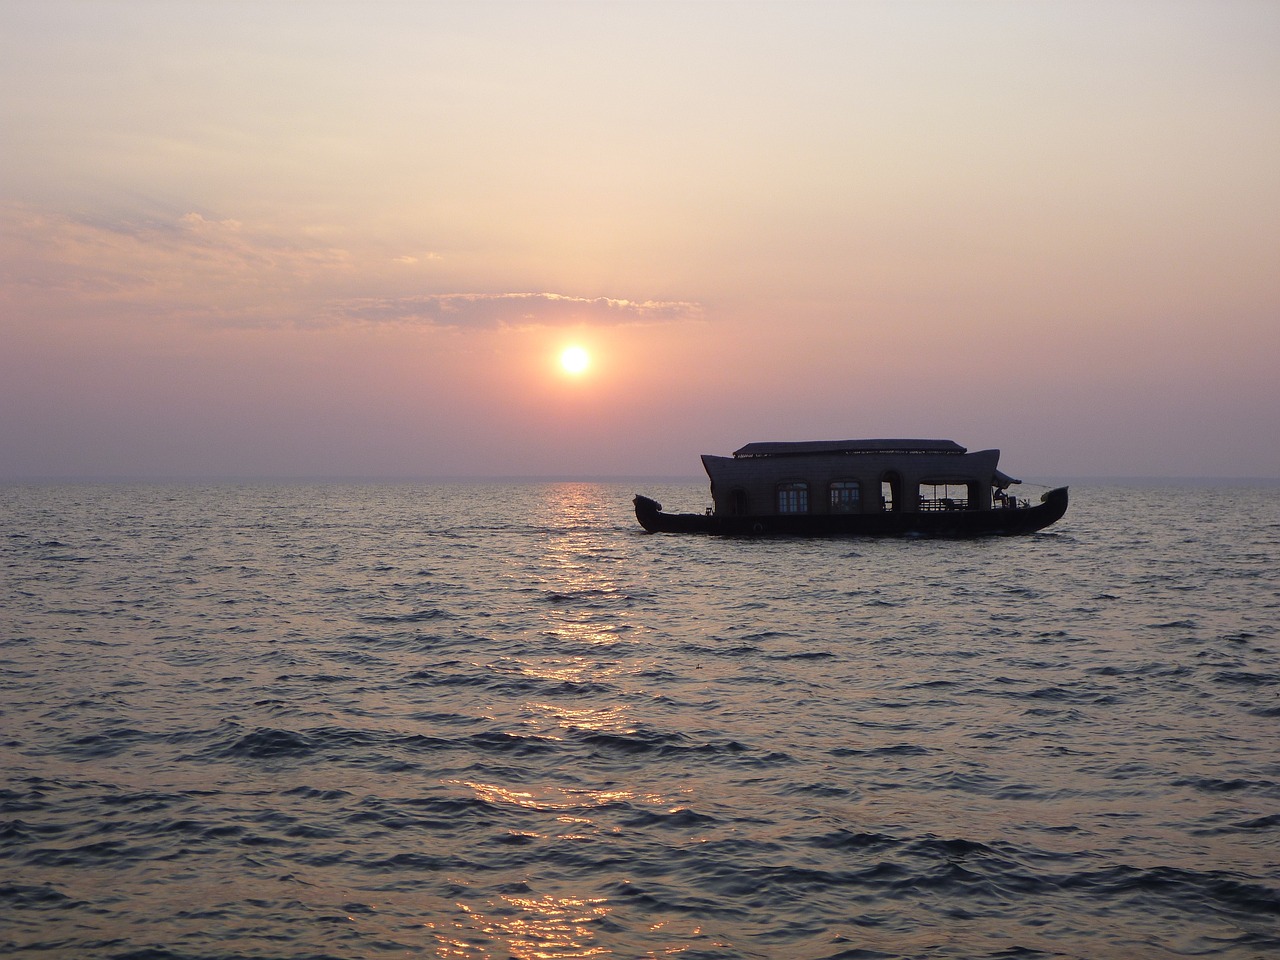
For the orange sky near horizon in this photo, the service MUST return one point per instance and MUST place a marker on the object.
(351, 240)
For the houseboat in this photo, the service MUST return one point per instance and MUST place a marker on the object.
(880, 488)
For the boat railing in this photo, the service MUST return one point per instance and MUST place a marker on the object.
(929, 504)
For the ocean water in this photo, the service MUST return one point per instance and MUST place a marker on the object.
(499, 721)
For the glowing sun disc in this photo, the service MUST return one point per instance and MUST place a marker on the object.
(574, 360)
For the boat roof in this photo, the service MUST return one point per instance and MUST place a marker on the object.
(799, 448)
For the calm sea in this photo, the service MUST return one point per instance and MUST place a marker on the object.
(470, 721)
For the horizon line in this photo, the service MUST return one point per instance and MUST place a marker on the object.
(183, 479)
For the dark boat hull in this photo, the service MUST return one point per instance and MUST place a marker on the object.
(998, 522)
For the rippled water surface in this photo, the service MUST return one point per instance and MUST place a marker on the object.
(466, 721)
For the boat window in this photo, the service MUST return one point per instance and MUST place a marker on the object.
(793, 497)
(944, 496)
(845, 496)
(739, 502)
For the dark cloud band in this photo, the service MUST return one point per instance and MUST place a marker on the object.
(487, 310)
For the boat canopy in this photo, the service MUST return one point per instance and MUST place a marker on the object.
(806, 447)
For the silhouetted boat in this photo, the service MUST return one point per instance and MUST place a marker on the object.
(877, 488)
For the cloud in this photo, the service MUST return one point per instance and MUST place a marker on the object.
(226, 273)
(410, 259)
(188, 267)
(489, 310)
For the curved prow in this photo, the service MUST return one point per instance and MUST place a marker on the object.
(647, 510)
(1054, 504)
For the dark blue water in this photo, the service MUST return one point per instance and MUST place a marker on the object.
(499, 721)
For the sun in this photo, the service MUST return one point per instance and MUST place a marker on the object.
(574, 360)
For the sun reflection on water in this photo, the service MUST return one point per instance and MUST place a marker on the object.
(581, 612)
(523, 924)
(615, 719)
(530, 928)
(557, 799)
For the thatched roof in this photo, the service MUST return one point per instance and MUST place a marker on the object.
(802, 447)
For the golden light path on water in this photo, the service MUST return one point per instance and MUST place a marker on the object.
(557, 925)
(546, 928)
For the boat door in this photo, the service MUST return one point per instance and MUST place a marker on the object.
(891, 492)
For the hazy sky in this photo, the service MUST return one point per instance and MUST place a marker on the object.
(304, 239)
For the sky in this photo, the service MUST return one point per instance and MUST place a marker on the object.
(350, 239)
